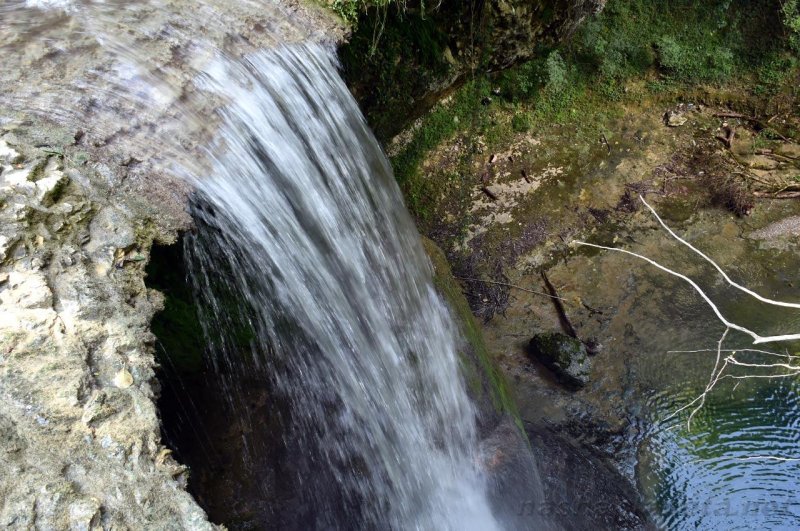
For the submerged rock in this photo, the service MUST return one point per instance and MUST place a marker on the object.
(562, 354)
(786, 227)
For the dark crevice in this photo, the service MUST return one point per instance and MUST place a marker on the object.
(236, 466)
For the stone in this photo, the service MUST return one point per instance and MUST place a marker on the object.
(84, 515)
(675, 118)
(785, 228)
(566, 356)
(123, 379)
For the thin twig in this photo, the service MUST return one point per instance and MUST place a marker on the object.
(507, 285)
(735, 350)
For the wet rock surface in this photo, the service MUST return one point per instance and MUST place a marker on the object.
(785, 228)
(562, 354)
(89, 142)
(634, 313)
(581, 489)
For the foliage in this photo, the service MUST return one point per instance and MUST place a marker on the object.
(679, 60)
(521, 122)
(351, 10)
(688, 41)
(634, 49)
(790, 9)
(392, 59)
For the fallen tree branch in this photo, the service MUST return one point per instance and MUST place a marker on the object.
(756, 338)
(563, 318)
(717, 267)
(492, 195)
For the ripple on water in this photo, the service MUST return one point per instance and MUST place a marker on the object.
(738, 467)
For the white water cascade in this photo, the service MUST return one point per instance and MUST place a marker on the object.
(303, 251)
(302, 214)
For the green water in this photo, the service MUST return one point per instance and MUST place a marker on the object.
(737, 465)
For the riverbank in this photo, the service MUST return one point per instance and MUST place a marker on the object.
(508, 213)
(507, 171)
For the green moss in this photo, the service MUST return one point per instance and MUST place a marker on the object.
(177, 326)
(483, 376)
(441, 124)
(37, 172)
(521, 122)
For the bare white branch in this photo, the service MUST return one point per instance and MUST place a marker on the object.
(718, 373)
(734, 350)
(756, 338)
(716, 266)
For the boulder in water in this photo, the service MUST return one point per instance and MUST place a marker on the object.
(566, 356)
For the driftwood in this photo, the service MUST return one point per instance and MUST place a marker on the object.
(751, 119)
(563, 318)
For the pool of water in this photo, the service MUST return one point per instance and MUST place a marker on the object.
(736, 464)
(737, 467)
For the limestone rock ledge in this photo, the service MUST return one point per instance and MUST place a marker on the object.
(79, 431)
(89, 139)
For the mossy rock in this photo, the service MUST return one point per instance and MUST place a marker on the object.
(566, 356)
(486, 382)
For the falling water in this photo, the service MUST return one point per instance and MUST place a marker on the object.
(301, 212)
(307, 269)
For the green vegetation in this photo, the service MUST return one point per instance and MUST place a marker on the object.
(791, 20)
(177, 327)
(462, 111)
(392, 58)
(633, 51)
(351, 10)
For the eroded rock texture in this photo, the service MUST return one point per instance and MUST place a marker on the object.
(101, 118)
(80, 433)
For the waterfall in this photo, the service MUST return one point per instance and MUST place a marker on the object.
(303, 237)
(307, 270)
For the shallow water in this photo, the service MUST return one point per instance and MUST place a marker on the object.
(737, 464)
